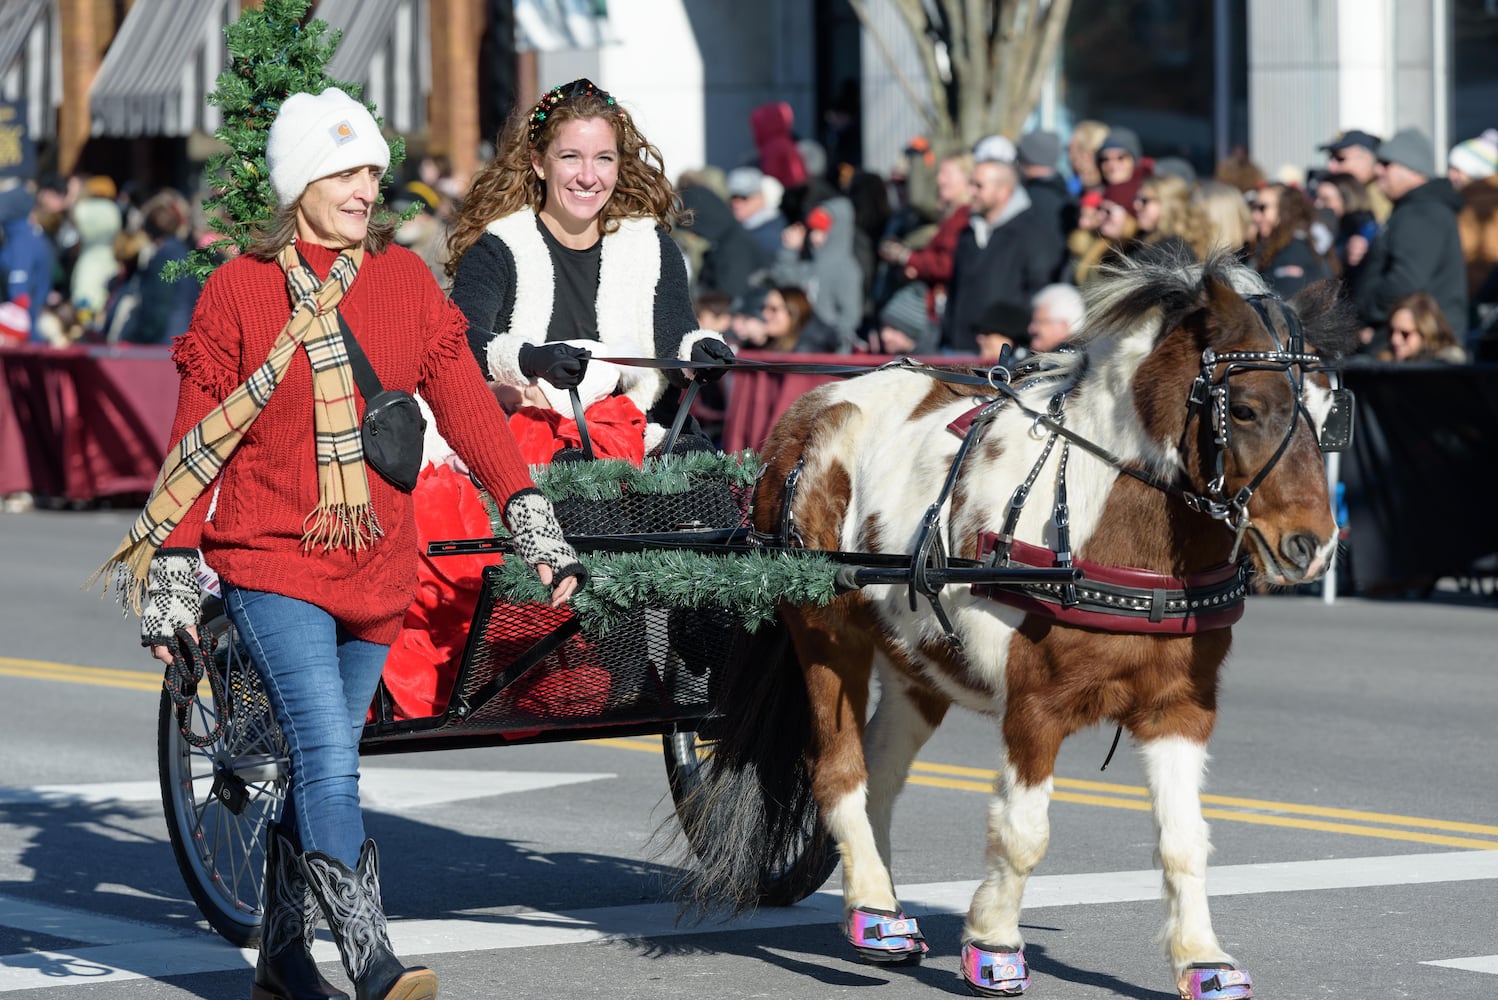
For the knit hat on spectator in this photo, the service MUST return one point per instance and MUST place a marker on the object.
(1122, 138)
(906, 312)
(1477, 158)
(993, 148)
(1038, 149)
(1175, 166)
(315, 136)
(745, 182)
(1410, 148)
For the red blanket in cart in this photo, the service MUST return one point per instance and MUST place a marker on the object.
(424, 659)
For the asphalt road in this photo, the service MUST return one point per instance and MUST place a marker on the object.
(1351, 796)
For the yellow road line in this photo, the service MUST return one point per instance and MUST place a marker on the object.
(41, 670)
(957, 777)
(1136, 798)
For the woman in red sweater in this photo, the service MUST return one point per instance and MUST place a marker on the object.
(316, 552)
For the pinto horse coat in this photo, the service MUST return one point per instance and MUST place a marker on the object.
(870, 455)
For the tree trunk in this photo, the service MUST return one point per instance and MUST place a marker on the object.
(985, 61)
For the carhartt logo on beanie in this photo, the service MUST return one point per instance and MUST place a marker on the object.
(315, 136)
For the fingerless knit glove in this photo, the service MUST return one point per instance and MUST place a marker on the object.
(538, 536)
(173, 598)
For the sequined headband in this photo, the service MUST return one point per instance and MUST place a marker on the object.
(555, 96)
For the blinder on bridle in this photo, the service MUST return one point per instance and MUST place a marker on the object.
(1289, 356)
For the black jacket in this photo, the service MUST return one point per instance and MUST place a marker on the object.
(1418, 250)
(1021, 257)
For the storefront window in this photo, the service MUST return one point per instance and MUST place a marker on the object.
(1474, 91)
(1151, 65)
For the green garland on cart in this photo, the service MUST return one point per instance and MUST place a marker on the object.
(609, 478)
(620, 584)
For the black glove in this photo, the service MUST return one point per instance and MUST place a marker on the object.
(714, 352)
(173, 599)
(560, 364)
(538, 536)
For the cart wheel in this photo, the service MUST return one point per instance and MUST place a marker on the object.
(806, 865)
(219, 799)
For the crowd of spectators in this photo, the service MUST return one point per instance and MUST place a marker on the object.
(961, 252)
(955, 252)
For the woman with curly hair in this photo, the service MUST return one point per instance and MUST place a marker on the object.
(564, 237)
(1283, 254)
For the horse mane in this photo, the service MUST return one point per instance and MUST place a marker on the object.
(1164, 287)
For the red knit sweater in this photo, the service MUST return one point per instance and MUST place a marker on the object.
(416, 341)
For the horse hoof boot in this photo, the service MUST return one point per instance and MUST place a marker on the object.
(1215, 981)
(994, 972)
(885, 938)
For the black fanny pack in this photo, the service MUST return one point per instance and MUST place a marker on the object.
(393, 428)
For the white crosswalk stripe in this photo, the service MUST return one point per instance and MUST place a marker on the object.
(118, 950)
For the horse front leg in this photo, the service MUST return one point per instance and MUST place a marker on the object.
(1019, 832)
(1175, 767)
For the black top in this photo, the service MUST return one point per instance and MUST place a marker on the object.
(574, 314)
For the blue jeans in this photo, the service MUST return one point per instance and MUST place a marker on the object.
(320, 680)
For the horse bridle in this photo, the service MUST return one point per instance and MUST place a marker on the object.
(1289, 356)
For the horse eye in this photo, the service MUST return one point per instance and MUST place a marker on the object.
(1243, 413)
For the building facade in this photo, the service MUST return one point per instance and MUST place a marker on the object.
(119, 86)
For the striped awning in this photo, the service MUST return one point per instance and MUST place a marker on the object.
(17, 18)
(557, 25)
(159, 69)
(31, 61)
(386, 49)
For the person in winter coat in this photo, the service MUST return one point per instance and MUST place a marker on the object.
(1473, 171)
(770, 124)
(732, 256)
(564, 236)
(1006, 254)
(165, 307)
(26, 261)
(1419, 249)
(314, 548)
(98, 221)
(831, 277)
(1283, 254)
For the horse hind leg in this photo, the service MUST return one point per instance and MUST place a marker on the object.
(837, 658)
(1175, 767)
(902, 723)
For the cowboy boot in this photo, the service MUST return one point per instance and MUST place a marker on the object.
(285, 970)
(350, 900)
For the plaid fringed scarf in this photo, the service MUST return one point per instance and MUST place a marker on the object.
(344, 516)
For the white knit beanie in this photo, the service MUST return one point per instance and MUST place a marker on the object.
(1477, 158)
(317, 136)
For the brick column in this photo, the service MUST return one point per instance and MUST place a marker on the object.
(453, 110)
(87, 28)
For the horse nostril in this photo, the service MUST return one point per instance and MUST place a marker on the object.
(1298, 549)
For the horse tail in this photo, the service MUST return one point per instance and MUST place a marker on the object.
(750, 819)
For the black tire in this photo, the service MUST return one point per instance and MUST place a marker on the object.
(219, 799)
(801, 871)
